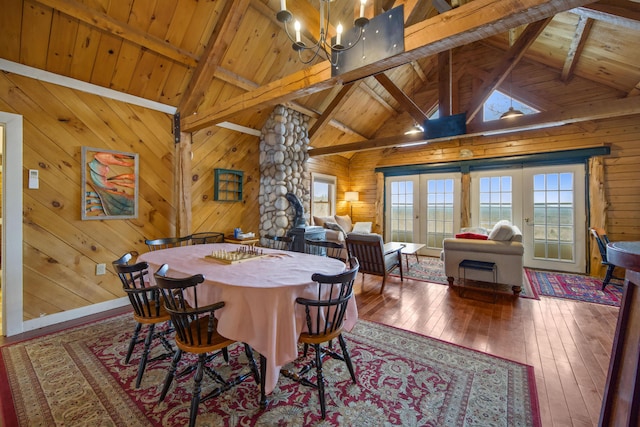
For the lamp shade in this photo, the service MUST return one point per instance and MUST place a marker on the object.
(351, 196)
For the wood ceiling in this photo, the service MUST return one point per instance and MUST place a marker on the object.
(231, 61)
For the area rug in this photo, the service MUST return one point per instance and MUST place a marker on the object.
(575, 286)
(78, 377)
(431, 269)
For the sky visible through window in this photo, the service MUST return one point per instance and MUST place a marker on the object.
(498, 103)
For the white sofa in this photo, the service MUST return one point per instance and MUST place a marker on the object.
(503, 247)
(334, 234)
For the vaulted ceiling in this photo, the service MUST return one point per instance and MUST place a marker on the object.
(231, 61)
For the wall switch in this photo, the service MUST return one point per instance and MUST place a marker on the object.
(101, 269)
(33, 179)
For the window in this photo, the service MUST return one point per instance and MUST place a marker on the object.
(498, 103)
(495, 200)
(323, 195)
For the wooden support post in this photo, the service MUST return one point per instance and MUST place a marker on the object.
(465, 195)
(378, 225)
(597, 212)
(182, 184)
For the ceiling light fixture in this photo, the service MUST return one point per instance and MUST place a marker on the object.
(511, 112)
(324, 46)
(415, 129)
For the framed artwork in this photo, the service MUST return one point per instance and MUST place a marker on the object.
(110, 184)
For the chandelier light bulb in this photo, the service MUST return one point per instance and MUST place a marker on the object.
(296, 26)
(323, 46)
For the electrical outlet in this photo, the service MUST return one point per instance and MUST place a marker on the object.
(101, 269)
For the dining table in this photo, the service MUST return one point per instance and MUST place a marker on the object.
(259, 295)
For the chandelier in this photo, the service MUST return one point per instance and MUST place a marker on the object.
(324, 46)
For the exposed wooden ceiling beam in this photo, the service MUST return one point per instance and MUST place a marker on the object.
(332, 108)
(506, 65)
(445, 83)
(583, 28)
(224, 32)
(104, 22)
(441, 5)
(468, 23)
(575, 114)
(314, 115)
(405, 102)
(373, 94)
(635, 91)
(612, 14)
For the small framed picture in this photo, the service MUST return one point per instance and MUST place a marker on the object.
(110, 184)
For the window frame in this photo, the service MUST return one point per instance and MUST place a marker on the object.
(332, 182)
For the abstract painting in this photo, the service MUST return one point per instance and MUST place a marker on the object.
(110, 184)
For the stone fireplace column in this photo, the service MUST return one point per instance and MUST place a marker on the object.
(283, 169)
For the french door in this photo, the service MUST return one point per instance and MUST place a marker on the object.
(547, 204)
(554, 225)
(423, 209)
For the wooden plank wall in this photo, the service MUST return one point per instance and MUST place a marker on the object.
(60, 250)
(337, 166)
(217, 147)
(620, 167)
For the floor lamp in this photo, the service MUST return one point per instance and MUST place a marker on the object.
(351, 196)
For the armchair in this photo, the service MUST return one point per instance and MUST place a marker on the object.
(368, 249)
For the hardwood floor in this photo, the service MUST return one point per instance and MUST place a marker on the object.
(568, 343)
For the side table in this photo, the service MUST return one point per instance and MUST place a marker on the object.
(252, 241)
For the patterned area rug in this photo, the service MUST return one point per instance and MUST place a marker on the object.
(575, 286)
(78, 377)
(431, 269)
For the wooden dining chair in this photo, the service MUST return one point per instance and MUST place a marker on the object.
(325, 248)
(206, 237)
(324, 319)
(147, 310)
(602, 241)
(281, 243)
(167, 242)
(197, 333)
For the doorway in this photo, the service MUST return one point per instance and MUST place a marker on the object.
(547, 203)
(422, 209)
(12, 299)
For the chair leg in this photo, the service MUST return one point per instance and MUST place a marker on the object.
(263, 374)
(320, 380)
(133, 342)
(170, 374)
(145, 354)
(197, 387)
(252, 363)
(347, 358)
(608, 276)
(384, 280)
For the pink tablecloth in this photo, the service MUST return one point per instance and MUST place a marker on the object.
(259, 295)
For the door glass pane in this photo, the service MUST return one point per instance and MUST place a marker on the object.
(495, 200)
(554, 233)
(402, 211)
(440, 197)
